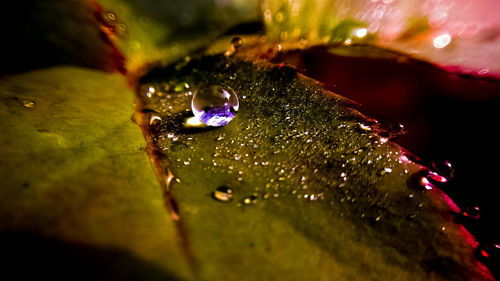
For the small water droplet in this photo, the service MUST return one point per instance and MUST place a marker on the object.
(223, 193)
(122, 30)
(397, 129)
(215, 105)
(436, 177)
(385, 171)
(111, 16)
(364, 127)
(424, 182)
(122, 27)
(154, 119)
(236, 42)
(29, 104)
(444, 168)
(471, 212)
(252, 199)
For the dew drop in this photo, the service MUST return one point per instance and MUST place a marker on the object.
(471, 212)
(223, 193)
(111, 16)
(384, 171)
(236, 42)
(122, 27)
(29, 104)
(364, 127)
(154, 119)
(397, 129)
(444, 168)
(250, 200)
(424, 182)
(436, 177)
(215, 105)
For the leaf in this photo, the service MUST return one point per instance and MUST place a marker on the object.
(317, 192)
(74, 171)
(80, 200)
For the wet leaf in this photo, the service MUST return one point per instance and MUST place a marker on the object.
(316, 192)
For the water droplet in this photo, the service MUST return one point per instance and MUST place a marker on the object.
(29, 104)
(223, 193)
(385, 171)
(471, 212)
(364, 127)
(394, 130)
(424, 182)
(236, 42)
(154, 119)
(444, 168)
(122, 27)
(215, 105)
(436, 177)
(250, 200)
(442, 41)
(111, 16)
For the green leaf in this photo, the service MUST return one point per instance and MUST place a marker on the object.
(74, 171)
(317, 193)
(81, 200)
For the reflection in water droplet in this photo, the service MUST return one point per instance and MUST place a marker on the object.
(29, 104)
(215, 105)
(223, 193)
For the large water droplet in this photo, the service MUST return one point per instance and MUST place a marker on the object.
(223, 193)
(215, 105)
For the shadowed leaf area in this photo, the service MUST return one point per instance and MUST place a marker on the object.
(30, 256)
(317, 193)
